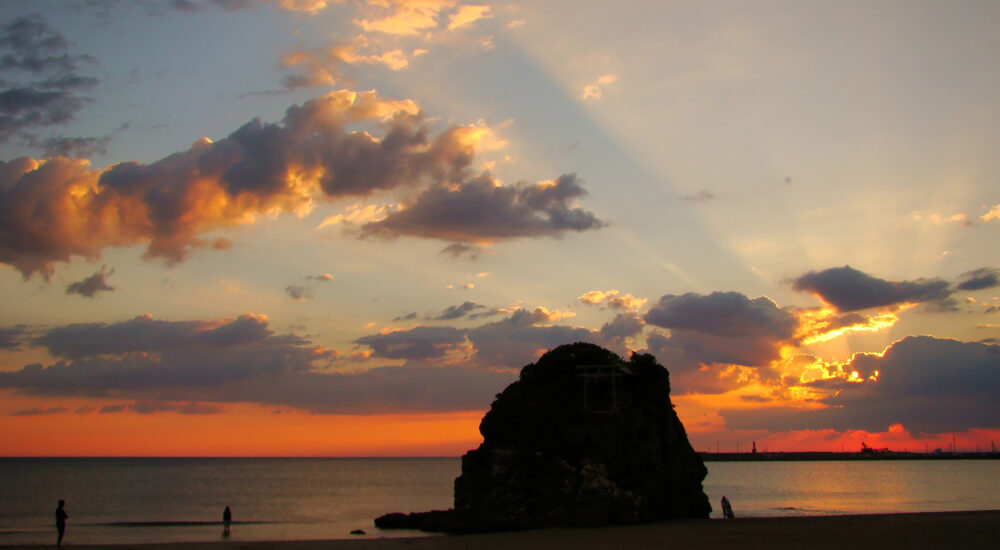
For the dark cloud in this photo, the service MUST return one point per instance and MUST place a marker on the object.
(191, 407)
(722, 328)
(408, 317)
(76, 147)
(298, 292)
(185, 6)
(11, 338)
(40, 411)
(418, 343)
(44, 84)
(489, 313)
(90, 286)
(848, 289)
(233, 5)
(723, 314)
(618, 333)
(305, 292)
(191, 367)
(146, 334)
(507, 344)
(461, 249)
(624, 325)
(978, 279)
(689, 370)
(457, 312)
(480, 210)
(929, 385)
(153, 407)
(520, 339)
(194, 366)
(53, 211)
(380, 390)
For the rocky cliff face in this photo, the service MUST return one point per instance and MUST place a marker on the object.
(582, 438)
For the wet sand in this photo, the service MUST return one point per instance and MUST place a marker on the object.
(953, 530)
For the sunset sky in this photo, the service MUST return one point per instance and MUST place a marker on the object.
(340, 227)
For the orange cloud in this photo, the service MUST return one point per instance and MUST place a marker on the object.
(613, 299)
(466, 15)
(404, 17)
(52, 210)
(824, 324)
(309, 6)
(594, 91)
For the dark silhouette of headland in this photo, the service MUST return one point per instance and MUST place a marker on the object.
(582, 438)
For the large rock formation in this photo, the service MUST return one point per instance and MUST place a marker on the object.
(582, 438)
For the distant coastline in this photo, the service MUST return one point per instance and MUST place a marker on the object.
(823, 455)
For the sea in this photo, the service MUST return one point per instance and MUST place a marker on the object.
(148, 500)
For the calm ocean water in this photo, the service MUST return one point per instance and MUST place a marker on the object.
(129, 500)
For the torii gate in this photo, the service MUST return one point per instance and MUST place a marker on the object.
(599, 373)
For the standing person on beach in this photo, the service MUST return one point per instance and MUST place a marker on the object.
(727, 509)
(61, 518)
(227, 517)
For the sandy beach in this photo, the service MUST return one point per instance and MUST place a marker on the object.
(959, 530)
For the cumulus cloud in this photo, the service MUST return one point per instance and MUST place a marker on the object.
(42, 82)
(929, 385)
(418, 343)
(619, 332)
(51, 211)
(725, 314)
(404, 17)
(89, 287)
(321, 67)
(848, 289)
(466, 15)
(517, 340)
(722, 328)
(978, 279)
(506, 344)
(992, 214)
(612, 299)
(482, 211)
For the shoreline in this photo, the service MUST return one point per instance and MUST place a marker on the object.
(914, 531)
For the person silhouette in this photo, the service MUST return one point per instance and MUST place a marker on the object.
(727, 509)
(61, 518)
(227, 518)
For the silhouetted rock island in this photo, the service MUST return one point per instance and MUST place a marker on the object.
(582, 438)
